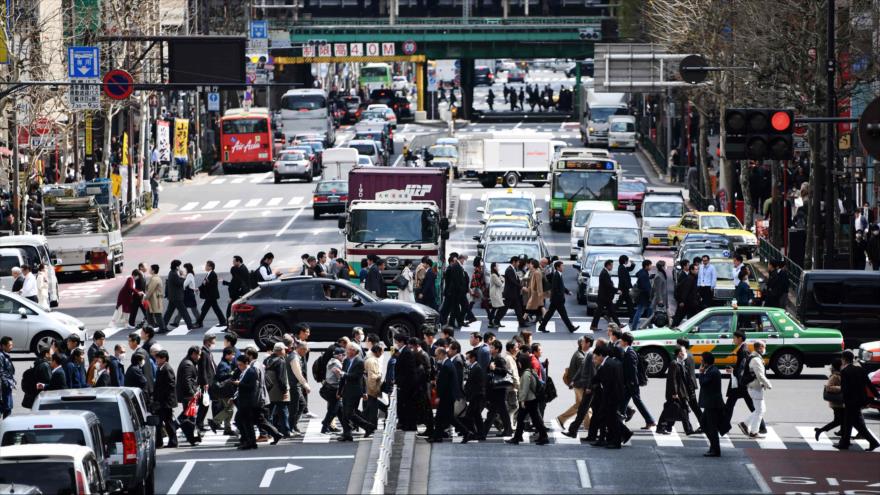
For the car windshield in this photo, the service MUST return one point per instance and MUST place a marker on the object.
(510, 224)
(365, 149)
(331, 187)
(502, 252)
(724, 270)
(25, 437)
(585, 185)
(292, 157)
(600, 114)
(631, 186)
(499, 204)
(672, 209)
(581, 217)
(621, 126)
(382, 226)
(106, 411)
(364, 160)
(316, 145)
(373, 114)
(720, 222)
(444, 151)
(611, 236)
(8, 262)
(303, 102)
(51, 477)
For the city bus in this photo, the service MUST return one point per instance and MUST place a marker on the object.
(581, 174)
(246, 142)
(375, 76)
(307, 111)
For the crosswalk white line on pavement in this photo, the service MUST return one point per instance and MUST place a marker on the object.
(313, 433)
(559, 438)
(295, 201)
(210, 205)
(670, 440)
(220, 180)
(274, 202)
(809, 436)
(259, 178)
(111, 331)
(771, 440)
(725, 442)
(465, 196)
(238, 180)
(253, 202)
(232, 203)
(189, 206)
(215, 329)
(181, 330)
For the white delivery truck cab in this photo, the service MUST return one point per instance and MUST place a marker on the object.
(338, 162)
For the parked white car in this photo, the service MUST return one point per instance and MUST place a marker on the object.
(30, 325)
(54, 469)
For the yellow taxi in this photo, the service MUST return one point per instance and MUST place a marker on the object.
(744, 242)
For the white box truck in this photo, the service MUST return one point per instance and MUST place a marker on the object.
(338, 162)
(508, 161)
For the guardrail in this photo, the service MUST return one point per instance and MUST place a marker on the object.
(768, 252)
(383, 462)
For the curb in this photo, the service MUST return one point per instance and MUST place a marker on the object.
(405, 470)
(650, 159)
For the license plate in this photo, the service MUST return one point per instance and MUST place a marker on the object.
(263, 155)
(654, 240)
(631, 207)
(333, 199)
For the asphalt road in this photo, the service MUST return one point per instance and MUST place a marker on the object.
(216, 217)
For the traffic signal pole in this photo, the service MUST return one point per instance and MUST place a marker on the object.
(831, 111)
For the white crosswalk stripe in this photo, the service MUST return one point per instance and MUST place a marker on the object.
(809, 436)
(232, 203)
(181, 330)
(274, 202)
(210, 205)
(313, 433)
(221, 180)
(670, 440)
(253, 202)
(771, 440)
(189, 206)
(295, 201)
(465, 196)
(238, 180)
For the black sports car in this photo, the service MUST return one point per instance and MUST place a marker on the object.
(331, 308)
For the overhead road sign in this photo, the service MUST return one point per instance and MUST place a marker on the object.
(324, 60)
(118, 84)
(635, 67)
(83, 62)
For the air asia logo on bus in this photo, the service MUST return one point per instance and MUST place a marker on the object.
(241, 147)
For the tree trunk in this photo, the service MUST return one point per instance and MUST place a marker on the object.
(745, 184)
(702, 159)
(813, 249)
(776, 210)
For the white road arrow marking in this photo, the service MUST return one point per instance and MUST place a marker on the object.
(270, 474)
(161, 239)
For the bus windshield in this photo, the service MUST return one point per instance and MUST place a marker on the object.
(245, 126)
(584, 185)
(303, 102)
(412, 226)
(376, 71)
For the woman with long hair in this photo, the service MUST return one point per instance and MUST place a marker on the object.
(477, 289)
(406, 293)
(189, 294)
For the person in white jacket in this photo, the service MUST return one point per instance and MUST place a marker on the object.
(496, 296)
(756, 389)
(407, 293)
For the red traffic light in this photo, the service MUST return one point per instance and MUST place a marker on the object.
(781, 121)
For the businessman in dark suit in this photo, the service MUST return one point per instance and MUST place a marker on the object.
(174, 289)
(624, 282)
(207, 370)
(187, 388)
(455, 289)
(407, 388)
(557, 299)
(475, 395)
(512, 293)
(605, 300)
(240, 283)
(165, 399)
(854, 384)
(712, 403)
(210, 292)
(448, 391)
(247, 400)
(374, 283)
(609, 372)
(353, 388)
(58, 378)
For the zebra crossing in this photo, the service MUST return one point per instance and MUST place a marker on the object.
(274, 202)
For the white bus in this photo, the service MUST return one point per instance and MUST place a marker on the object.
(307, 111)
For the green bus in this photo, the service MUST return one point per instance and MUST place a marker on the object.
(375, 76)
(581, 176)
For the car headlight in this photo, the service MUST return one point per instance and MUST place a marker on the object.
(752, 240)
(591, 129)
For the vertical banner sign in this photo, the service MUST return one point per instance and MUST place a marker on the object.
(125, 160)
(116, 185)
(88, 137)
(163, 140)
(4, 47)
(181, 137)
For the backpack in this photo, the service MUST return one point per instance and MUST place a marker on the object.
(642, 374)
(255, 278)
(319, 367)
(748, 376)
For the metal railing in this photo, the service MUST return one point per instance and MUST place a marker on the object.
(769, 252)
(383, 463)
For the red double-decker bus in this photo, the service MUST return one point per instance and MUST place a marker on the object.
(246, 140)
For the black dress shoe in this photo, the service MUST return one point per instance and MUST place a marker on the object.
(840, 447)
(629, 414)
(712, 454)
(588, 439)
(214, 425)
(542, 441)
(614, 446)
(513, 441)
(574, 328)
(569, 434)
(345, 438)
(627, 435)
(599, 443)
(872, 447)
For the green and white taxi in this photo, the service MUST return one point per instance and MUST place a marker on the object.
(790, 346)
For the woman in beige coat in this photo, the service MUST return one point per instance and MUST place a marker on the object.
(155, 295)
(535, 302)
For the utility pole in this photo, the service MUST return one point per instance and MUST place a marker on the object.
(831, 109)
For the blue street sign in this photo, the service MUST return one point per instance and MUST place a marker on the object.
(83, 62)
(259, 30)
(213, 102)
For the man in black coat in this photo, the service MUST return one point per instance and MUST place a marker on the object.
(404, 378)
(207, 370)
(475, 395)
(58, 378)
(624, 283)
(690, 296)
(146, 366)
(512, 294)
(691, 379)
(448, 391)
(248, 401)
(353, 388)
(187, 388)
(240, 283)
(712, 403)
(740, 391)
(374, 282)
(631, 381)
(609, 373)
(166, 399)
(605, 298)
(776, 294)
(174, 289)
(455, 291)
(209, 290)
(854, 384)
(557, 299)
(134, 375)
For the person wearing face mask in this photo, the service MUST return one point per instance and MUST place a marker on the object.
(102, 372)
(115, 368)
(677, 394)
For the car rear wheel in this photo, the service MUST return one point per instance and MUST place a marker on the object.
(787, 363)
(268, 333)
(44, 340)
(308, 178)
(396, 326)
(277, 179)
(657, 361)
(316, 214)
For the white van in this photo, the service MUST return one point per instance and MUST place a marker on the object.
(54, 469)
(36, 248)
(622, 132)
(612, 231)
(580, 215)
(69, 427)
